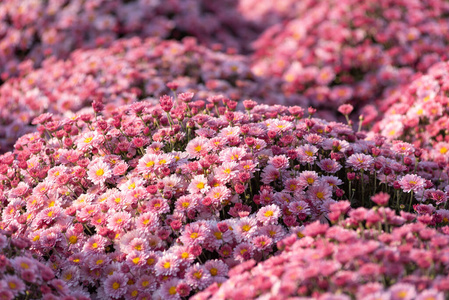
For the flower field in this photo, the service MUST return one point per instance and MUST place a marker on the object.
(232, 149)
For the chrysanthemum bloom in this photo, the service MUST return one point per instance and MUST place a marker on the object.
(262, 242)
(320, 192)
(403, 148)
(167, 265)
(269, 214)
(306, 154)
(360, 161)
(279, 161)
(307, 178)
(198, 277)
(412, 182)
(219, 194)
(147, 163)
(95, 244)
(216, 268)
(198, 185)
(169, 291)
(14, 284)
(329, 165)
(146, 283)
(245, 228)
(194, 234)
(115, 286)
(198, 147)
(235, 154)
(243, 251)
(270, 174)
(86, 140)
(119, 221)
(226, 172)
(185, 203)
(299, 207)
(402, 291)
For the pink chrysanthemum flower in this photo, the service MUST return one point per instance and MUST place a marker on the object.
(226, 172)
(307, 178)
(292, 185)
(185, 203)
(95, 244)
(360, 161)
(198, 185)
(198, 277)
(320, 192)
(403, 148)
(235, 154)
(243, 251)
(412, 182)
(245, 228)
(167, 265)
(86, 140)
(119, 221)
(279, 161)
(14, 284)
(115, 286)
(269, 214)
(270, 174)
(230, 132)
(194, 234)
(299, 207)
(169, 290)
(306, 154)
(198, 147)
(329, 165)
(216, 268)
(147, 163)
(219, 194)
(262, 242)
(148, 221)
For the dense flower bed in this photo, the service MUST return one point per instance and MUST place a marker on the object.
(24, 277)
(128, 71)
(32, 30)
(419, 112)
(335, 52)
(163, 199)
(357, 258)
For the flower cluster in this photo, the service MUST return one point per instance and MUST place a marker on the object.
(335, 52)
(24, 277)
(128, 71)
(163, 199)
(34, 30)
(355, 258)
(418, 113)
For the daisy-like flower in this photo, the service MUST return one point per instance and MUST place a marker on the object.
(86, 140)
(235, 154)
(243, 251)
(270, 174)
(167, 265)
(279, 161)
(299, 207)
(245, 228)
(216, 268)
(198, 185)
(185, 202)
(402, 291)
(412, 182)
(14, 284)
(308, 178)
(115, 286)
(320, 192)
(230, 131)
(147, 164)
(329, 165)
(198, 147)
(403, 148)
(194, 234)
(269, 214)
(226, 172)
(198, 277)
(219, 194)
(306, 154)
(119, 221)
(148, 221)
(292, 185)
(360, 161)
(95, 244)
(262, 242)
(169, 290)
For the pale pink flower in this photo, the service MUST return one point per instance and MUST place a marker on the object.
(99, 172)
(198, 184)
(412, 182)
(269, 214)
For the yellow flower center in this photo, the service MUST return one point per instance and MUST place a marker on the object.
(200, 185)
(172, 290)
(167, 265)
(309, 153)
(198, 275)
(116, 285)
(310, 180)
(268, 213)
(320, 195)
(24, 265)
(150, 164)
(194, 235)
(100, 172)
(136, 260)
(88, 140)
(198, 148)
(246, 227)
(73, 239)
(213, 271)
